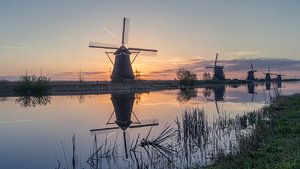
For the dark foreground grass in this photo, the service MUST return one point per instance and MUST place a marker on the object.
(279, 145)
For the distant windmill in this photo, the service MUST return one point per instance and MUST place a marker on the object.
(122, 69)
(268, 75)
(251, 90)
(279, 76)
(250, 76)
(218, 70)
(219, 91)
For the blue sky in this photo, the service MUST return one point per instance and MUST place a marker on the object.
(54, 34)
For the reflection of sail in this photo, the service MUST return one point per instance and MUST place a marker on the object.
(123, 105)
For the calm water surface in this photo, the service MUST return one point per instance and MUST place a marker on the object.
(34, 132)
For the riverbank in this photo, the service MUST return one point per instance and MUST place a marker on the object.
(8, 88)
(277, 140)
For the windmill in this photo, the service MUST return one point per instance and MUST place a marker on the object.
(268, 75)
(250, 76)
(123, 105)
(219, 91)
(122, 65)
(251, 90)
(218, 70)
(279, 76)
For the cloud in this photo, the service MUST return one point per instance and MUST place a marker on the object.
(78, 73)
(242, 53)
(111, 33)
(238, 65)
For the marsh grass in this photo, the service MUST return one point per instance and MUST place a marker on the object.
(274, 142)
(221, 142)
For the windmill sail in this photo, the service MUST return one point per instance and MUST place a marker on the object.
(93, 44)
(125, 31)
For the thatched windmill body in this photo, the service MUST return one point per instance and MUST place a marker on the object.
(218, 70)
(250, 75)
(122, 65)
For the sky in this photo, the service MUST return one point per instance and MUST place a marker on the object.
(54, 35)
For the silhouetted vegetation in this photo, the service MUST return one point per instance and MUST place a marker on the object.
(206, 76)
(186, 94)
(33, 101)
(186, 77)
(137, 75)
(32, 85)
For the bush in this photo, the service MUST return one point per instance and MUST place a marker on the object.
(32, 85)
(186, 77)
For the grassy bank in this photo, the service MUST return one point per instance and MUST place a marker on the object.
(275, 143)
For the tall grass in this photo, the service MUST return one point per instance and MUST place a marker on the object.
(196, 141)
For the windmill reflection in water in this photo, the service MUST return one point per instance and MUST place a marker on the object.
(219, 92)
(123, 110)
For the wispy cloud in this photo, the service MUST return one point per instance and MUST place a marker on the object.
(78, 73)
(111, 33)
(236, 66)
(244, 54)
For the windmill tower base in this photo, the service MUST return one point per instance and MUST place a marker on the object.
(250, 76)
(279, 78)
(122, 70)
(268, 77)
(219, 73)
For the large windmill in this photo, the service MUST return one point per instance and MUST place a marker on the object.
(250, 76)
(122, 69)
(218, 70)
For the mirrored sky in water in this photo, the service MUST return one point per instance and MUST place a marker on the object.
(31, 137)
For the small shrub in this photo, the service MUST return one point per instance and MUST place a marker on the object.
(32, 85)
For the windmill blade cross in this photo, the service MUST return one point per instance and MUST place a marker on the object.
(216, 59)
(252, 67)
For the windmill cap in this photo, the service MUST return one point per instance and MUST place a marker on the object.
(122, 50)
(124, 124)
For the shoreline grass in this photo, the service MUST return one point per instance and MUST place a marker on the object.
(278, 140)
